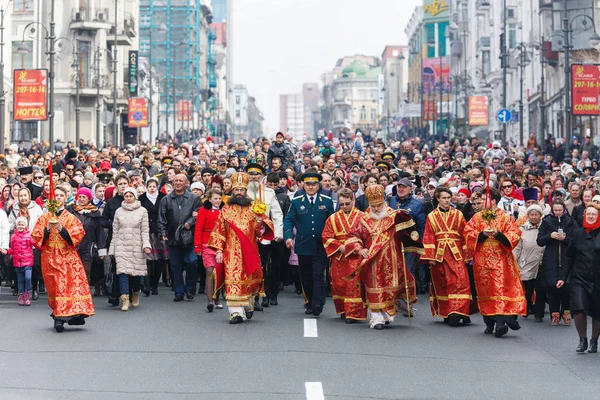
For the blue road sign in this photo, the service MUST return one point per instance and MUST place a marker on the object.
(504, 115)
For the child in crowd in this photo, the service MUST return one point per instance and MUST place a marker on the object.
(207, 217)
(21, 249)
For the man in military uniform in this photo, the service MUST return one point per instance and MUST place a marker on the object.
(258, 191)
(308, 214)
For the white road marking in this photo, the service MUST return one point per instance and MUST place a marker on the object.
(310, 328)
(314, 391)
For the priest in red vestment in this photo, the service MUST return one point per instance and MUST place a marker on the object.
(235, 239)
(491, 235)
(348, 295)
(66, 283)
(450, 292)
(381, 237)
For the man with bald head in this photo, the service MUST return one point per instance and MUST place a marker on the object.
(175, 219)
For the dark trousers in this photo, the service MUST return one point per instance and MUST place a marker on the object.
(529, 289)
(183, 259)
(270, 259)
(154, 271)
(558, 299)
(312, 275)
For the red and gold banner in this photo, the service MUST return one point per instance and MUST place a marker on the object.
(478, 111)
(184, 110)
(585, 84)
(429, 110)
(137, 112)
(30, 95)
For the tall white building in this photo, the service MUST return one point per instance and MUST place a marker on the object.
(291, 115)
(240, 112)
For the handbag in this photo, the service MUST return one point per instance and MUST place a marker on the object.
(111, 282)
(184, 237)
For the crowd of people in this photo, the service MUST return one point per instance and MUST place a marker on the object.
(504, 231)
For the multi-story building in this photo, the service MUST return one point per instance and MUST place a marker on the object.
(394, 76)
(106, 30)
(181, 57)
(351, 94)
(429, 68)
(310, 103)
(292, 114)
(255, 119)
(240, 112)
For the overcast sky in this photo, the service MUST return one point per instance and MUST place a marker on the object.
(281, 44)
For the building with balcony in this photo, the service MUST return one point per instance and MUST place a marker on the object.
(92, 67)
(351, 95)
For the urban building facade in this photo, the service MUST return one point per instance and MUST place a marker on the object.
(394, 74)
(351, 95)
(292, 114)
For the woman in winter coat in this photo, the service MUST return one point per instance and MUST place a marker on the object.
(130, 244)
(528, 254)
(582, 271)
(93, 245)
(156, 260)
(111, 205)
(555, 234)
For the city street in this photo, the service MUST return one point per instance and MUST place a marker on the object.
(164, 350)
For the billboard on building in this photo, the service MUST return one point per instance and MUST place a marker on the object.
(585, 89)
(478, 111)
(133, 73)
(30, 95)
(184, 110)
(137, 112)
(433, 70)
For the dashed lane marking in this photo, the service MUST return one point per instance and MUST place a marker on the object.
(314, 391)
(310, 328)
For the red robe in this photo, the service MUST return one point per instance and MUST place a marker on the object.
(497, 276)
(243, 273)
(450, 291)
(64, 275)
(383, 272)
(348, 295)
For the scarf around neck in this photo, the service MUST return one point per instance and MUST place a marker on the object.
(152, 197)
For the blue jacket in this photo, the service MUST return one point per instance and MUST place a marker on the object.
(308, 221)
(414, 208)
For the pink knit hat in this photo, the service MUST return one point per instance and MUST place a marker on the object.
(86, 192)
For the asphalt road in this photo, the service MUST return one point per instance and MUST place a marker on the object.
(166, 350)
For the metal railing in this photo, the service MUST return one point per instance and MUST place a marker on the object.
(89, 14)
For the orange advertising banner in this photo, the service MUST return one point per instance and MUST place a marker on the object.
(137, 112)
(30, 94)
(184, 110)
(478, 111)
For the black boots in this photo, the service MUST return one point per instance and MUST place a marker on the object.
(583, 345)
(454, 319)
(265, 301)
(593, 346)
(501, 329)
(273, 300)
(59, 325)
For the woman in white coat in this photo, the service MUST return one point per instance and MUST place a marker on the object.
(130, 244)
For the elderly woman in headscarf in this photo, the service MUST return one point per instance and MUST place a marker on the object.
(528, 253)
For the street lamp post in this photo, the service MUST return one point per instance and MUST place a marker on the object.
(567, 28)
(2, 93)
(116, 140)
(51, 41)
(524, 61)
(77, 83)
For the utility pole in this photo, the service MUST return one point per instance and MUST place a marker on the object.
(77, 83)
(504, 66)
(2, 94)
(51, 80)
(97, 68)
(116, 117)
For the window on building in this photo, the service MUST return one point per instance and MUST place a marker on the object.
(84, 64)
(485, 62)
(144, 46)
(430, 36)
(22, 130)
(363, 113)
(22, 5)
(237, 113)
(22, 61)
(373, 114)
(512, 35)
(442, 26)
(345, 115)
(237, 99)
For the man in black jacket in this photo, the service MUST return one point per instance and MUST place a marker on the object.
(176, 211)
